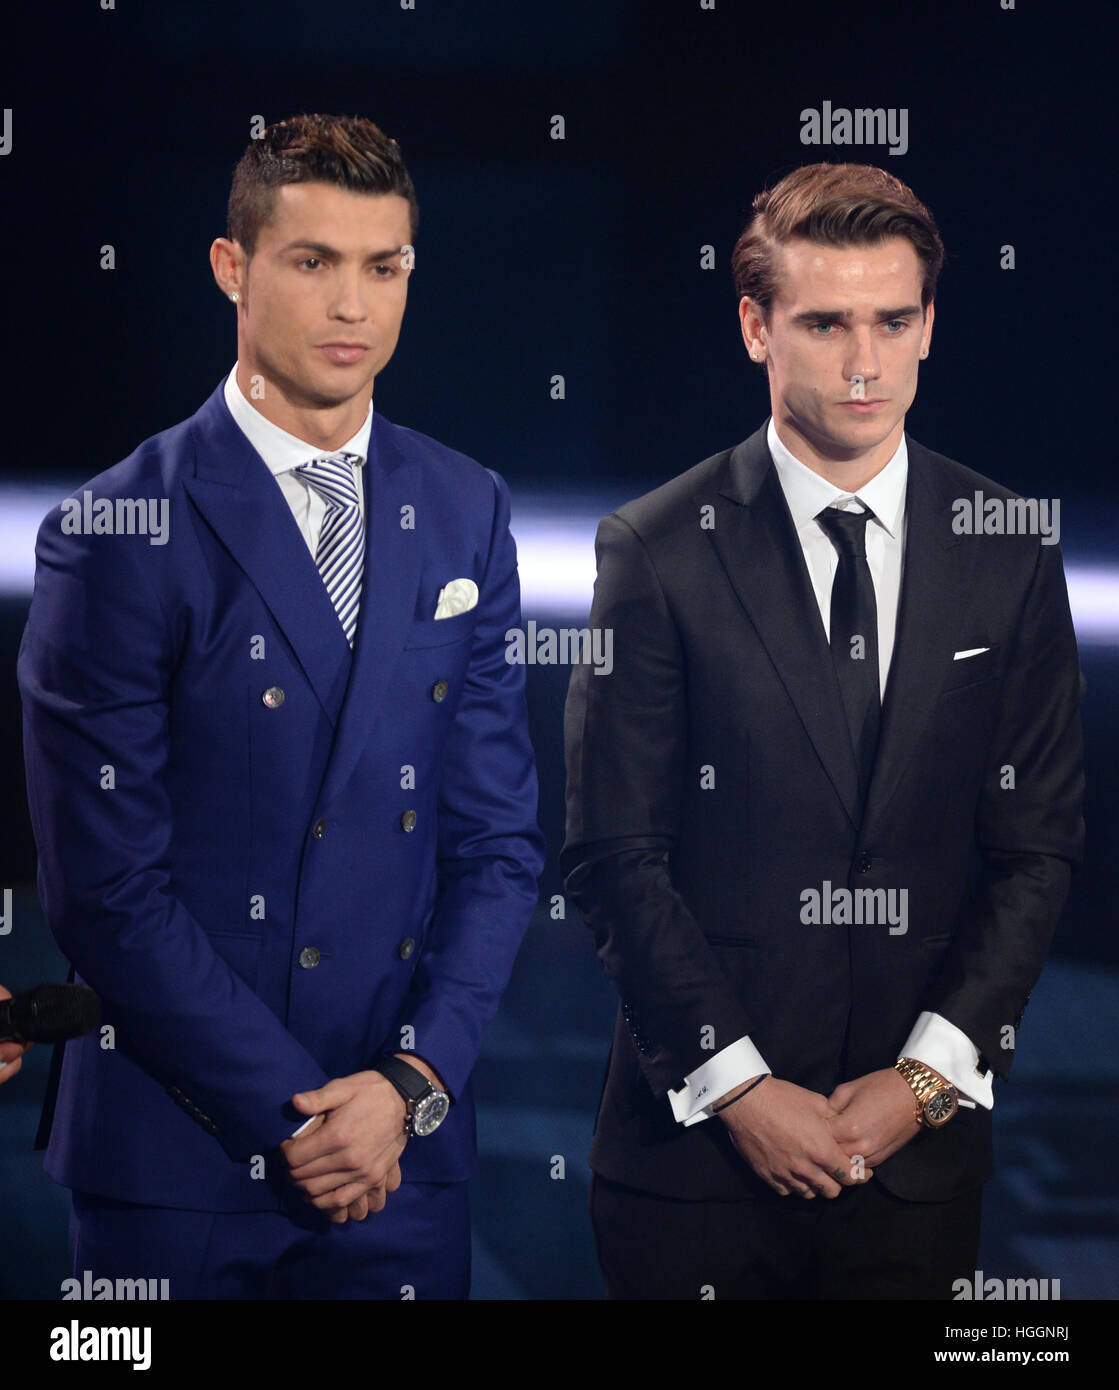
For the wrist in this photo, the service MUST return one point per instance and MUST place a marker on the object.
(423, 1067)
(737, 1099)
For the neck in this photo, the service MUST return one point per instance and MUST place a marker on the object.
(325, 426)
(846, 469)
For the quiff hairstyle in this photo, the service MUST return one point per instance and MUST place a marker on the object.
(347, 151)
(833, 205)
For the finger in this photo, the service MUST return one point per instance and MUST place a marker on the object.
(359, 1210)
(846, 1134)
(11, 1051)
(328, 1097)
(341, 1198)
(9, 1069)
(824, 1184)
(334, 1162)
(392, 1182)
(330, 1182)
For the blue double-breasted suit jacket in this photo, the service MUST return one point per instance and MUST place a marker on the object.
(274, 859)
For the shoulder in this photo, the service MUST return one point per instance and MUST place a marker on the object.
(455, 475)
(664, 512)
(950, 478)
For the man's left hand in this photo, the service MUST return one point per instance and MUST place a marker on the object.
(875, 1115)
(354, 1150)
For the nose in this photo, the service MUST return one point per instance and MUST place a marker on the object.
(862, 356)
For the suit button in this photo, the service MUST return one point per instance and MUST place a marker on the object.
(309, 957)
(408, 820)
(439, 691)
(406, 947)
(863, 863)
(318, 830)
(273, 697)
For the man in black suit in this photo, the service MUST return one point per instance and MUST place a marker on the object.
(823, 813)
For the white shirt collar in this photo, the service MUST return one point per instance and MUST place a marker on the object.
(807, 493)
(280, 450)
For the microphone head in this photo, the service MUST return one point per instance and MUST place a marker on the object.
(54, 1013)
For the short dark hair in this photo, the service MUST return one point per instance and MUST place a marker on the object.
(348, 151)
(834, 205)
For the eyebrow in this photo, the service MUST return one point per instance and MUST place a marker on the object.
(907, 311)
(321, 249)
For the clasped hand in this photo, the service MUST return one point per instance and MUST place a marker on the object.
(799, 1141)
(346, 1161)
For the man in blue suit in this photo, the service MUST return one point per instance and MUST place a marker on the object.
(281, 783)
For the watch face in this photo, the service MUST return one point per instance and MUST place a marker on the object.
(940, 1107)
(429, 1114)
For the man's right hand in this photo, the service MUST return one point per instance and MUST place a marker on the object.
(374, 1200)
(782, 1132)
(11, 1053)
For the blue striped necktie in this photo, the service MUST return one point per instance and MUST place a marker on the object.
(341, 550)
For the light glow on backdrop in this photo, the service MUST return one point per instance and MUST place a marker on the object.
(555, 552)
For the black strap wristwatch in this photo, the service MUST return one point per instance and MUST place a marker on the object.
(426, 1106)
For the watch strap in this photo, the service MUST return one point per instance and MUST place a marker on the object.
(408, 1080)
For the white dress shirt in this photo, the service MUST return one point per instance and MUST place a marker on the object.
(932, 1040)
(283, 453)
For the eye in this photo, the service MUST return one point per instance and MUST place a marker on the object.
(389, 270)
(308, 259)
(823, 324)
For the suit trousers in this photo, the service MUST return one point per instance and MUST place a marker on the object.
(419, 1242)
(864, 1244)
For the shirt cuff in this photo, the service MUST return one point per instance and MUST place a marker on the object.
(704, 1087)
(949, 1050)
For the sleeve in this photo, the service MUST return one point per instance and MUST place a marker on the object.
(944, 1048)
(702, 1088)
(490, 852)
(1029, 828)
(95, 670)
(625, 746)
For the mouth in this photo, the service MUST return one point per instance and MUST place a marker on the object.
(343, 353)
(871, 404)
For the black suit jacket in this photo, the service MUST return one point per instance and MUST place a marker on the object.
(722, 672)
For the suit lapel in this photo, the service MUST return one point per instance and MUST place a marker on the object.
(237, 495)
(936, 579)
(757, 544)
(389, 591)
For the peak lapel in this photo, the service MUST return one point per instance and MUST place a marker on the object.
(239, 499)
(389, 589)
(757, 544)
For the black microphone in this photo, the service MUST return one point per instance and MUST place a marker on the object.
(50, 1014)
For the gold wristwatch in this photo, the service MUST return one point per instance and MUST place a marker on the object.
(937, 1099)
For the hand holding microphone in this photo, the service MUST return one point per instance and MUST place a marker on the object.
(11, 1054)
(50, 1013)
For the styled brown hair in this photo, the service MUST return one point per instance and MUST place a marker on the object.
(348, 151)
(834, 205)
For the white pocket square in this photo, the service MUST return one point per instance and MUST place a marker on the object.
(459, 596)
(971, 651)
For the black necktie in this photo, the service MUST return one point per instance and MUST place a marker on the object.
(854, 635)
